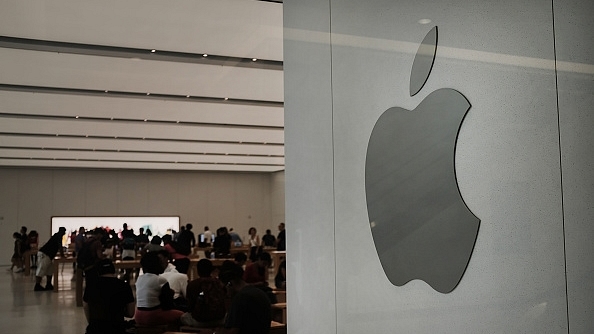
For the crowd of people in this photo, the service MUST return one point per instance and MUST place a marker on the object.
(234, 296)
(23, 242)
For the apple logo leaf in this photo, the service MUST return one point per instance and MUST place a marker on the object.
(423, 62)
(420, 224)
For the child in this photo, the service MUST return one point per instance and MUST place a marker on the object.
(18, 255)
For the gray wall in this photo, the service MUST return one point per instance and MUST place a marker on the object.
(524, 162)
(31, 197)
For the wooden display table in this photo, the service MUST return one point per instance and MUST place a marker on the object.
(57, 262)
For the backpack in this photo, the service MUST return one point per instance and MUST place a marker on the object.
(210, 305)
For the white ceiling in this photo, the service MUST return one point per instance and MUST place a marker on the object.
(81, 87)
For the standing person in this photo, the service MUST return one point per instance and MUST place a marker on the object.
(45, 256)
(17, 256)
(128, 247)
(186, 240)
(128, 244)
(254, 240)
(235, 238)
(79, 240)
(207, 235)
(25, 246)
(222, 243)
(107, 302)
(33, 243)
(280, 239)
(268, 239)
(90, 253)
(141, 239)
(250, 310)
(23, 234)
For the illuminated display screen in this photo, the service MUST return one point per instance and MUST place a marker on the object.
(156, 225)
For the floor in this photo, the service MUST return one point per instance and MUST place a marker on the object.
(44, 312)
(25, 311)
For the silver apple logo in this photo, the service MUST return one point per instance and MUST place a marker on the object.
(421, 226)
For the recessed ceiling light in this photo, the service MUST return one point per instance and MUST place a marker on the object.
(145, 119)
(226, 98)
(187, 95)
(106, 91)
(76, 116)
(148, 93)
(254, 59)
(424, 21)
(205, 55)
(153, 51)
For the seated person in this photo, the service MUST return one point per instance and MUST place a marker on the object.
(177, 282)
(240, 258)
(107, 301)
(153, 246)
(206, 299)
(256, 273)
(154, 297)
(280, 280)
(250, 310)
(180, 261)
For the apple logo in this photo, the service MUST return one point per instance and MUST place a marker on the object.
(421, 226)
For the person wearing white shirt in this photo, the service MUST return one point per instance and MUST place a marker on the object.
(207, 236)
(178, 283)
(149, 286)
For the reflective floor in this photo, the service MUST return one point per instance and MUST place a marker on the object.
(45, 312)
